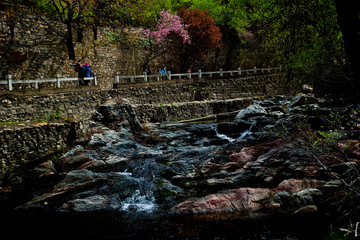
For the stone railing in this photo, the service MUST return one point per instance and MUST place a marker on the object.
(199, 74)
(9, 82)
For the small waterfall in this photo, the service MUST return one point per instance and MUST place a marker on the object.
(247, 132)
(242, 136)
(139, 202)
(142, 199)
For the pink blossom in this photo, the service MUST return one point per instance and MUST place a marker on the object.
(166, 25)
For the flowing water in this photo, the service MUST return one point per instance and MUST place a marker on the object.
(242, 136)
(140, 215)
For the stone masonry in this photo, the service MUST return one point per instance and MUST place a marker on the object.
(23, 138)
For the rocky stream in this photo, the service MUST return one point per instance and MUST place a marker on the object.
(245, 178)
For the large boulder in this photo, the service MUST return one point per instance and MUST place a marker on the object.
(303, 99)
(251, 111)
(119, 115)
(291, 197)
(266, 163)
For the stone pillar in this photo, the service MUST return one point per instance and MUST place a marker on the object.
(9, 79)
(95, 80)
(58, 80)
(117, 78)
(169, 75)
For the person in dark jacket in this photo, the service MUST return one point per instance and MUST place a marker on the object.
(87, 70)
(147, 69)
(87, 73)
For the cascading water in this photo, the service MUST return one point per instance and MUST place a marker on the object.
(230, 139)
(141, 180)
(142, 199)
(139, 202)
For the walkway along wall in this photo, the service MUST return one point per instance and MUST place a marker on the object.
(22, 139)
(81, 105)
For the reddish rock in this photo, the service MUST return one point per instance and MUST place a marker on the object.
(245, 156)
(247, 203)
(296, 185)
(252, 153)
(240, 203)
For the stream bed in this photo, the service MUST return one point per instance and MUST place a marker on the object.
(230, 180)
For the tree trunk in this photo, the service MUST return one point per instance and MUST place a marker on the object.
(349, 22)
(69, 41)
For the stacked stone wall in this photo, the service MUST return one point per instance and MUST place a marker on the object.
(81, 105)
(32, 46)
(23, 139)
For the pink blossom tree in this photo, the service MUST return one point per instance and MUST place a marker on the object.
(168, 35)
(167, 26)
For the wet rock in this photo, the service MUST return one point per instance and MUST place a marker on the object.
(92, 203)
(231, 127)
(307, 209)
(79, 159)
(250, 111)
(252, 203)
(45, 169)
(201, 130)
(84, 190)
(167, 192)
(268, 163)
(239, 160)
(333, 184)
(242, 203)
(303, 99)
(122, 114)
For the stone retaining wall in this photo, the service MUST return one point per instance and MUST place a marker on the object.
(187, 90)
(30, 48)
(81, 105)
(23, 140)
(190, 110)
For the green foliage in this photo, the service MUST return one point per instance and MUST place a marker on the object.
(338, 234)
(303, 36)
(126, 40)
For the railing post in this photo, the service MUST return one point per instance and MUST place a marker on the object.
(58, 80)
(239, 71)
(221, 72)
(255, 70)
(117, 78)
(169, 75)
(132, 79)
(200, 73)
(10, 87)
(95, 80)
(36, 84)
(145, 77)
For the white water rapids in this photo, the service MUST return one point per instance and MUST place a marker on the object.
(242, 136)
